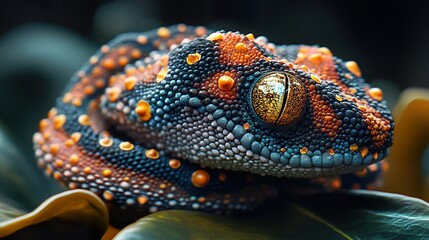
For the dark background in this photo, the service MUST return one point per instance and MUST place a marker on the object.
(43, 42)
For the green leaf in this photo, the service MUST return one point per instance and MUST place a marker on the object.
(342, 215)
(74, 214)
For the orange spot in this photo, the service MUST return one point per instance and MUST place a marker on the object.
(331, 151)
(353, 67)
(339, 99)
(104, 49)
(162, 186)
(200, 31)
(143, 110)
(215, 36)
(109, 64)
(282, 149)
(84, 120)
(87, 170)
(225, 82)
(76, 136)
(335, 184)
(246, 126)
(123, 60)
(303, 150)
(74, 159)
(376, 93)
(126, 146)
(163, 32)
(69, 143)
(108, 195)
(250, 36)
(316, 78)
(152, 154)
(77, 102)
(200, 178)
(136, 54)
(130, 83)
(88, 90)
(43, 123)
(364, 152)
(54, 148)
(59, 121)
(241, 47)
(222, 177)
(105, 142)
(354, 147)
(315, 58)
(161, 74)
(67, 98)
(106, 172)
(181, 27)
(174, 163)
(193, 58)
(142, 39)
(142, 200)
(113, 93)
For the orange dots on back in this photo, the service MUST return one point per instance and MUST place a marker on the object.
(221, 85)
(236, 49)
(200, 178)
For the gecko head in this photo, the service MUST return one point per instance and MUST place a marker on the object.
(245, 104)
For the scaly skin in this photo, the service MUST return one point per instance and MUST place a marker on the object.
(176, 119)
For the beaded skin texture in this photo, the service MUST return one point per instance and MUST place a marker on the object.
(187, 118)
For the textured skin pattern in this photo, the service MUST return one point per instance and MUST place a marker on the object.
(165, 120)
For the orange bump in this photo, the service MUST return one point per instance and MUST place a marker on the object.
(161, 74)
(181, 27)
(130, 83)
(215, 36)
(52, 113)
(354, 147)
(113, 93)
(246, 126)
(193, 58)
(331, 151)
(364, 152)
(67, 98)
(83, 120)
(316, 78)
(59, 121)
(105, 142)
(136, 54)
(108, 195)
(123, 60)
(200, 31)
(77, 102)
(325, 50)
(315, 58)
(353, 67)
(174, 163)
(303, 150)
(126, 146)
(142, 39)
(163, 32)
(223, 177)
(88, 90)
(87, 170)
(43, 123)
(250, 36)
(152, 154)
(76, 136)
(339, 99)
(143, 110)
(241, 47)
(225, 82)
(376, 93)
(69, 143)
(93, 60)
(54, 148)
(109, 64)
(142, 200)
(200, 178)
(106, 172)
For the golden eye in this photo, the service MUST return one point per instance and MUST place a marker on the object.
(278, 98)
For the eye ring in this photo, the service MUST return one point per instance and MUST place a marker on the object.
(278, 98)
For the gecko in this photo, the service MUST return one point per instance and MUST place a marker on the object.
(183, 117)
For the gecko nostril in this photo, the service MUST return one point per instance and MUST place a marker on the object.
(278, 98)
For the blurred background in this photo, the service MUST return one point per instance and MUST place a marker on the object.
(43, 42)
